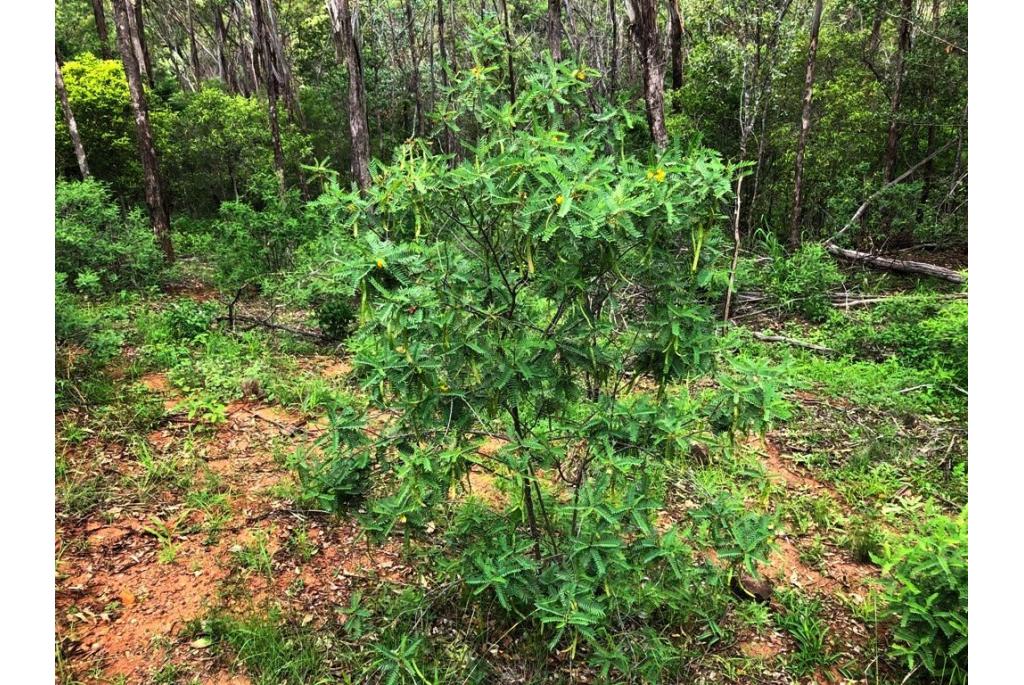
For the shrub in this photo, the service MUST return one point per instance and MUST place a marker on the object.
(97, 246)
(219, 146)
(85, 342)
(920, 331)
(927, 592)
(98, 93)
(520, 294)
(801, 281)
(251, 241)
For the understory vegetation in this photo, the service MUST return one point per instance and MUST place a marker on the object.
(544, 400)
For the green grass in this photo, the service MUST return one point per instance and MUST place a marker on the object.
(272, 650)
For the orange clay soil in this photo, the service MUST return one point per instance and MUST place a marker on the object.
(121, 606)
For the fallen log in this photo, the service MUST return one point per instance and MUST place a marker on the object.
(792, 341)
(893, 264)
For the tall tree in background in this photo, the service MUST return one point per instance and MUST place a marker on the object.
(227, 75)
(555, 29)
(346, 28)
(278, 60)
(418, 119)
(677, 28)
(101, 28)
(69, 120)
(506, 25)
(264, 49)
(805, 125)
(193, 51)
(613, 70)
(643, 22)
(156, 201)
(138, 40)
(899, 72)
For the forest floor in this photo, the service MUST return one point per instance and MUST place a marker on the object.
(171, 511)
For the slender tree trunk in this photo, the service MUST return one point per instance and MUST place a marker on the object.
(507, 26)
(613, 71)
(805, 126)
(69, 119)
(138, 33)
(929, 168)
(643, 17)
(345, 19)
(892, 143)
(101, 28)
(677, 44)
(226, 75)
(555, 29)
(279, 61)
(451, 145)
(155, 200)
(418, 121)
(265, 49)
(193, 50)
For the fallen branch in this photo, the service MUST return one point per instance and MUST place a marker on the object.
(893, 264)
(843, 303)
(874, 196)
(792, 341)
(275, 326)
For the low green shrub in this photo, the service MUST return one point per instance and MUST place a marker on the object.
(254, 239)
(921, 331)
(801, 281)
(926, 577)
(100, 248)
(86, 341)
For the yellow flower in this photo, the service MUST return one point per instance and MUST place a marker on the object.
(659, 175)
(580, 75)
(477, 72)
(559, 200)
(444, 387)
(380, 263)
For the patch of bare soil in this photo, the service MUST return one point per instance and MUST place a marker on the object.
(129, 579)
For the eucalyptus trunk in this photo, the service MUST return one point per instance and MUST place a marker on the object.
(69, 120)
(805, 126)
(643, 17)
(156, 201)
(345, 21)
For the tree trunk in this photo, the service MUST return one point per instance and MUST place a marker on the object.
(279, 59)
(892, 143)
(101, 28)
(418, 121)
(891, 264)
(155, 199)
(69, 119)
(265, 50)
(643, 18)
(677, 44)
(345, 20)
(450, 144)
(507, 26)
(226, 75)
(805, 126)
(138, 33)
(613, 71)
(193, 50)
(929, 169)
(555, 29)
